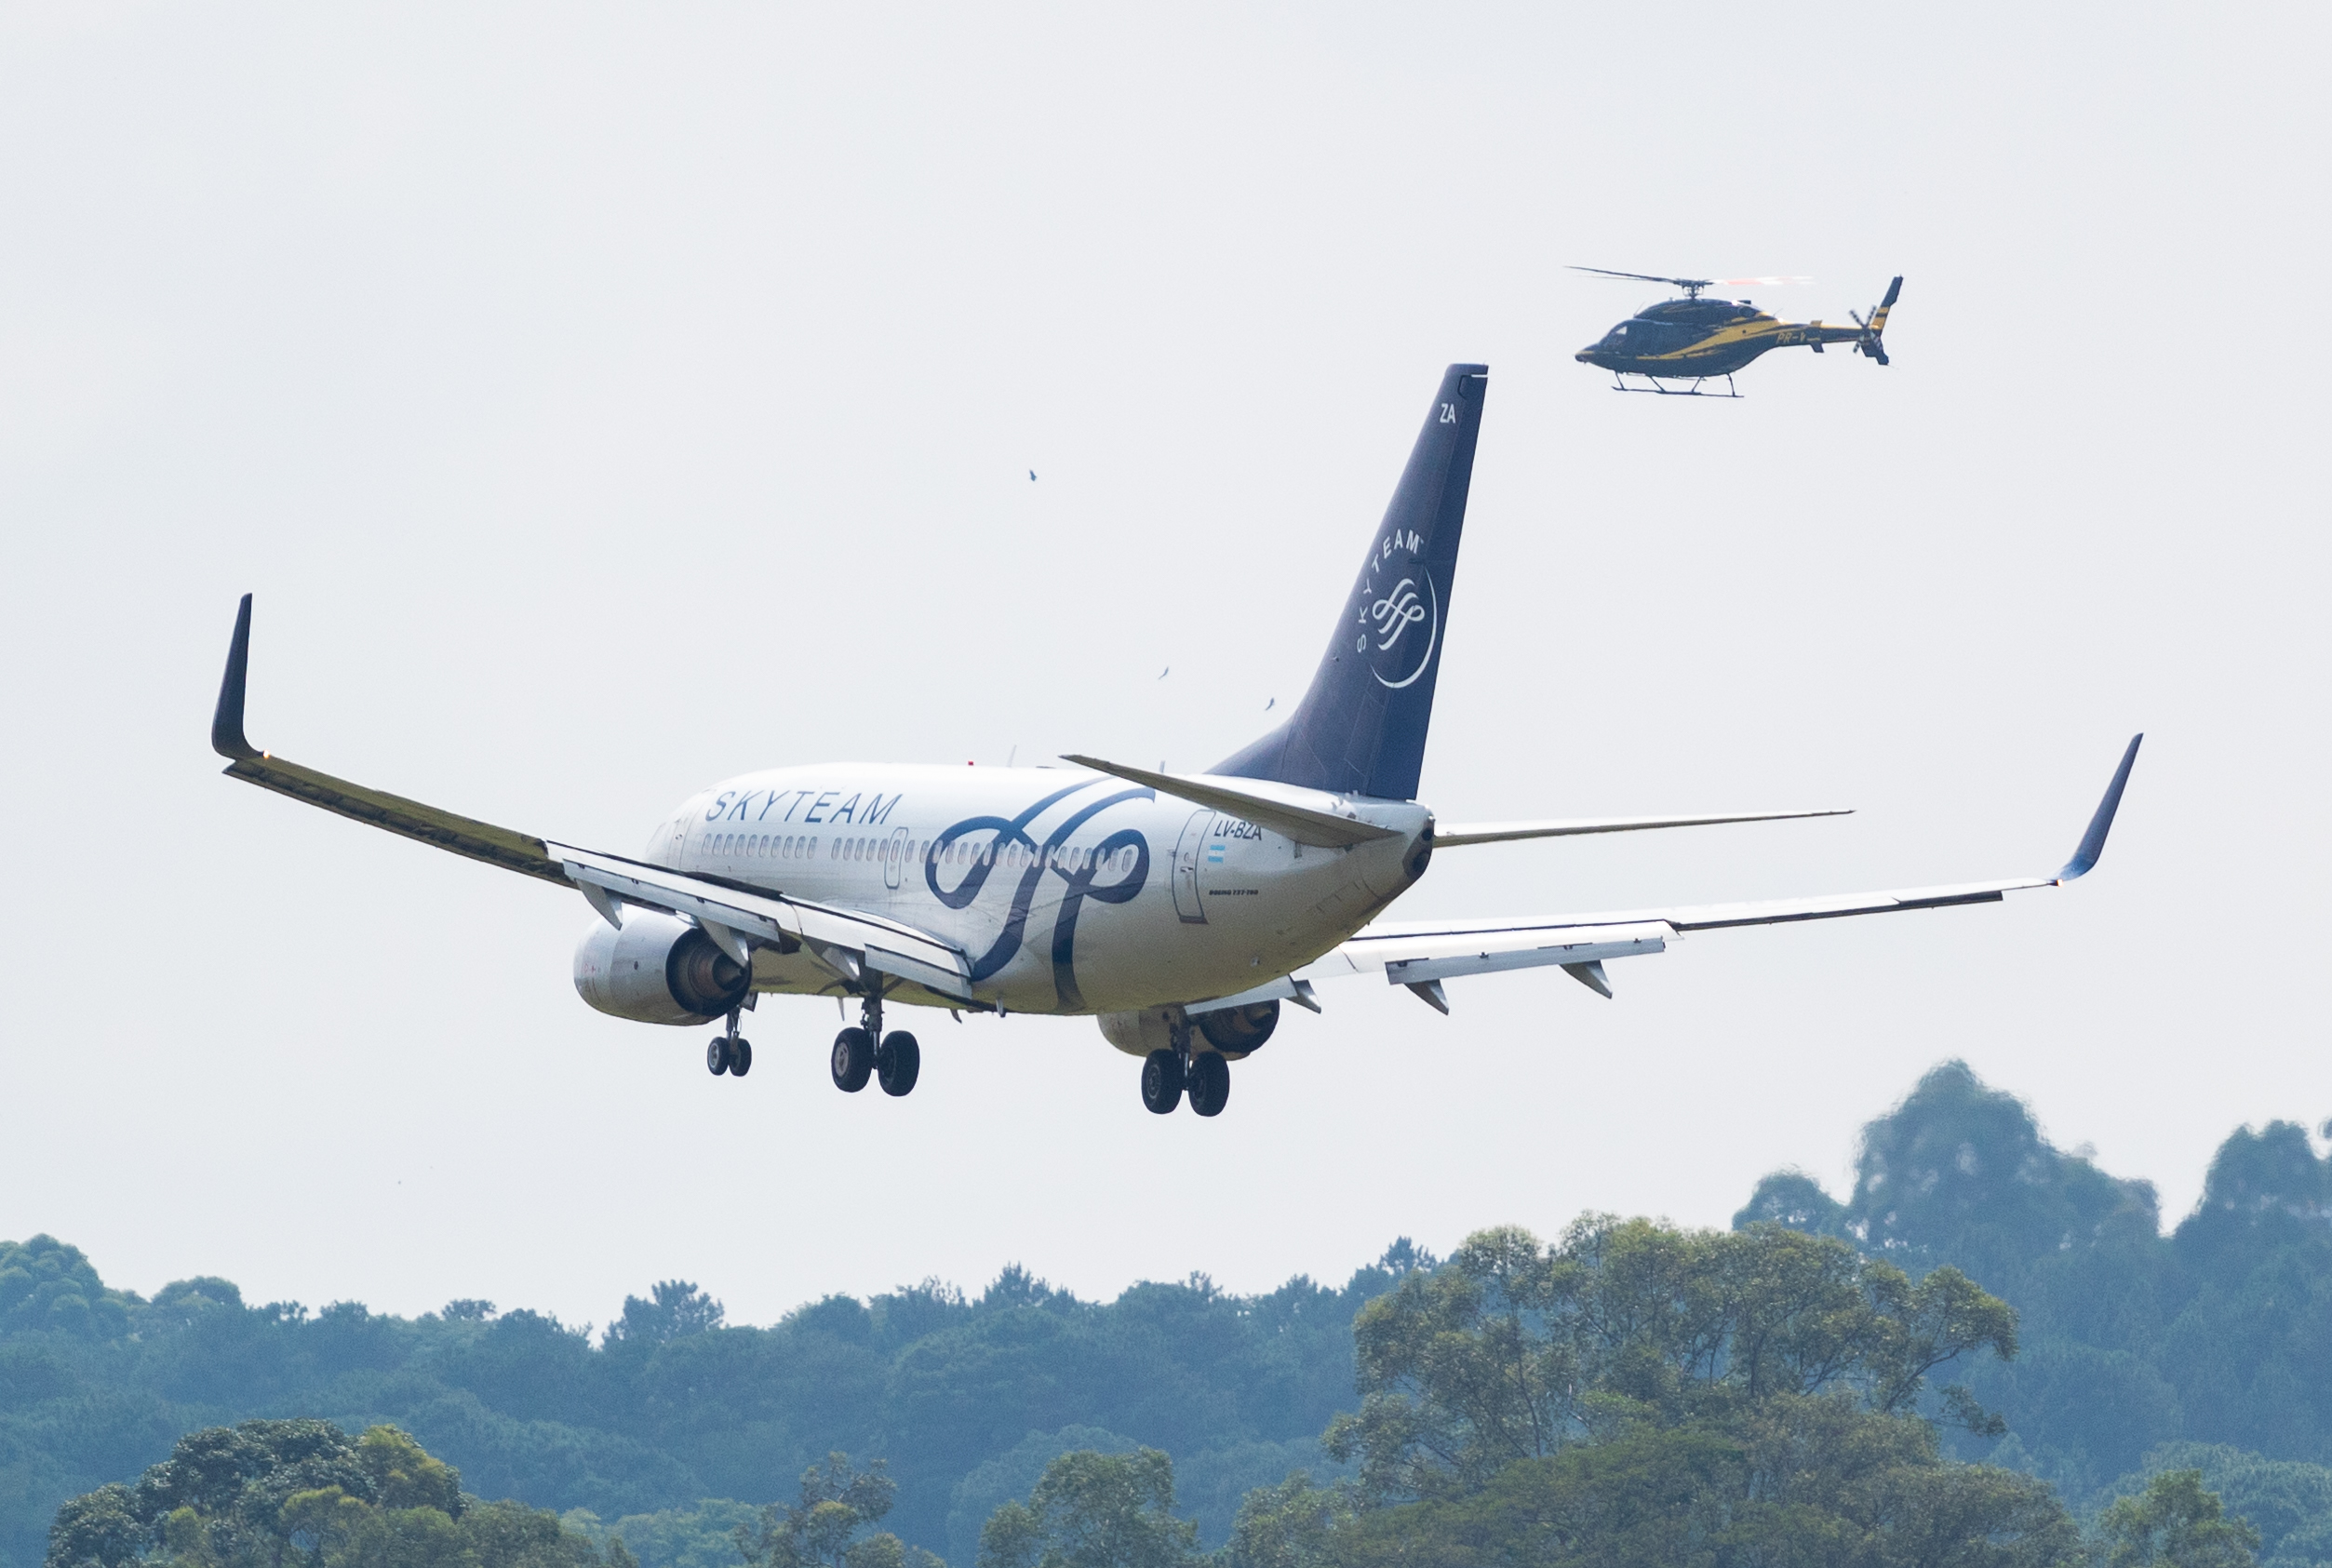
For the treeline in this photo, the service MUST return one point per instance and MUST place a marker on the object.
(2219, 1333)
(1632, 1394)
(966, 1399)
(2138, 1357)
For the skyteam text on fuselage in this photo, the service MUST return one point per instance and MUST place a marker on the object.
(1182, 910)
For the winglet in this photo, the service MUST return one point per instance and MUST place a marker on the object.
(2093, 842)
(226, 724)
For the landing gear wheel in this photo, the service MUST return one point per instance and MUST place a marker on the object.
(898, 1061)
(853, 1060)
(740, 1057)
(717, 1055)
(1162, 1083)
(1210, 1084)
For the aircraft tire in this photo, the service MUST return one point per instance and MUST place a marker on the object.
(898, 1063)
(1209, 1083)
(853, 1060)
(740, 1058)
(717, 1055)
(1162, 1083)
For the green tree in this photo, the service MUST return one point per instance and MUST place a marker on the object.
(822, 1530)
(1295, 1524)
(1815, 1481)
(101, 1527)
(274, 1494)
(405, 1476)
(2177, 1523)
(1093, 1510)
(1514, 1350)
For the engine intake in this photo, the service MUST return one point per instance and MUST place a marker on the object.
(657, 970)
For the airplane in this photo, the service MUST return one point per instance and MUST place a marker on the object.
(1180, 910)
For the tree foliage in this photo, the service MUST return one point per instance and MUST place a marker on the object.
(1516, 1350)
(2175, 1523)
(2219, 1333)
(671, 1406)
(826, 1527)
(1640, 1394)
(1093, 1510)
(2215, 1341)
(267, 1493)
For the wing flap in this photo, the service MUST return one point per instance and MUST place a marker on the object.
(1592, 947)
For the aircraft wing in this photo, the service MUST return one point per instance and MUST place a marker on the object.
(1456, 835)
(1421, 954)
(734, 916)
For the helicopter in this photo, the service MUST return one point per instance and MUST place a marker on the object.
(1698, 340)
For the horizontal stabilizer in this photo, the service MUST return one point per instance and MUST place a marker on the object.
(1236, 798)
(1456, 835)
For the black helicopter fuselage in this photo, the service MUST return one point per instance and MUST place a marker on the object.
(1696, 338)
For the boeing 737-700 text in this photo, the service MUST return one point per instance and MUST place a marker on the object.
(1180, 909)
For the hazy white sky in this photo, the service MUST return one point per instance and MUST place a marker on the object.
(602, 400)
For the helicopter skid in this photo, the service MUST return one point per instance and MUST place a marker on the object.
(1619, 383)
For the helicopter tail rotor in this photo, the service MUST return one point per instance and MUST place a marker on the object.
(1870, 343)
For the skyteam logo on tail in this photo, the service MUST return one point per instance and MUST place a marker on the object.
(1400, 611)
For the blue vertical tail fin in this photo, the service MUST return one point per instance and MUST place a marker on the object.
(1361, 728)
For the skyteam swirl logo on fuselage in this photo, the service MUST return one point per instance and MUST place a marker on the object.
(1009, 846)
(1400, 611)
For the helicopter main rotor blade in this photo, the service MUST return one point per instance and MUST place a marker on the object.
(1649, 277)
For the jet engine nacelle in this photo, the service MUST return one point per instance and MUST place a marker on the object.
(1233, 1031)
(657, 970)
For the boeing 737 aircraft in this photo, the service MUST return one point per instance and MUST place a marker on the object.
(1179, 910)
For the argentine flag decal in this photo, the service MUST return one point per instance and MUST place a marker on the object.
(1214, 854)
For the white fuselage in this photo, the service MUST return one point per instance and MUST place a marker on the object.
(1070, 891)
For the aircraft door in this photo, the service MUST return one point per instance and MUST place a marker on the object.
(1194, 836)
(894, 858)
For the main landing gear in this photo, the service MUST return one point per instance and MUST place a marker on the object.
(731, 1053)
(1167, 1074)
(894, 1060)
